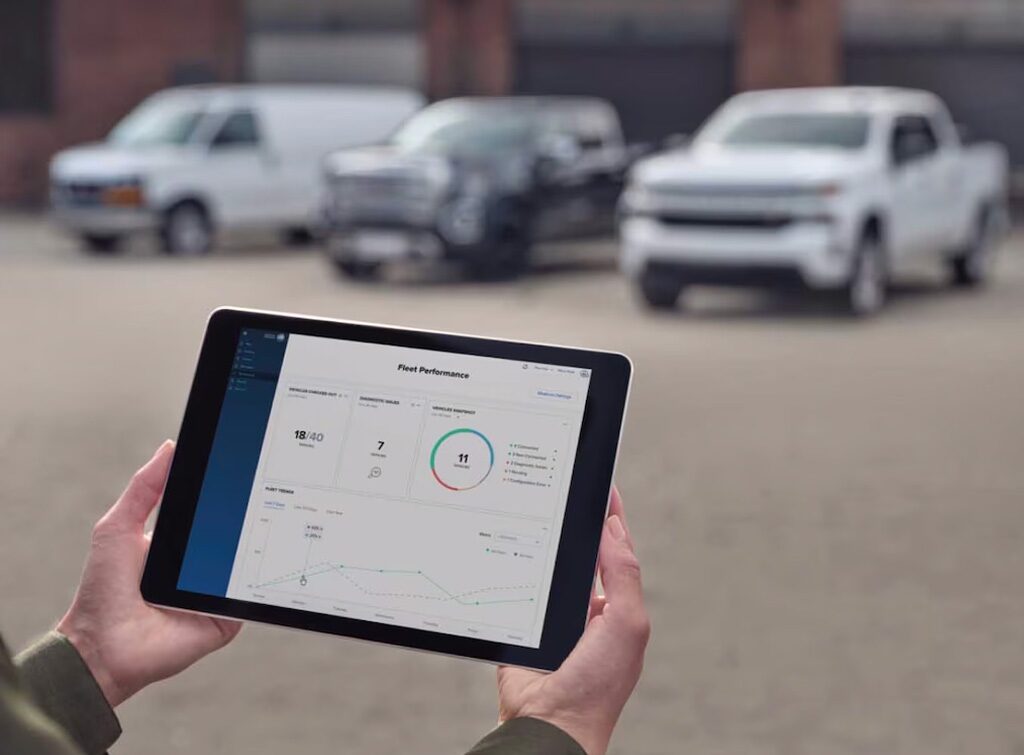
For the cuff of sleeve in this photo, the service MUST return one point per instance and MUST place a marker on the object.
(61, 684)
(527, 736)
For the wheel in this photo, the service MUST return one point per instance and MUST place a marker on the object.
(506, 250)
(868, 287)
(186, 230)
(659, 291)
(297, 237)
(972, 267)
(101, 243)
(506, 258)
(357, 270)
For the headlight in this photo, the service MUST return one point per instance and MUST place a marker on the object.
(462, 221)
(829, 189)
(637, 199)
(127, 193)
(475, 185)
(339, 200)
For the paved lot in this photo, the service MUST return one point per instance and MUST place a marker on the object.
(830, 515)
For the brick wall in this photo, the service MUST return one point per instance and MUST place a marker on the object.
(468, 46)
(109, 54)
(789, 43)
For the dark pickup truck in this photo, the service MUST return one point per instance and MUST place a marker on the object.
(477, 181)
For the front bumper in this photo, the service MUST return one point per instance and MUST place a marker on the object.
(762, 275)
(384, 244)
(105, 220)
(393, 241)
(808, 253)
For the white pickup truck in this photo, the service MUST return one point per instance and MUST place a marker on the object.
(835, 189)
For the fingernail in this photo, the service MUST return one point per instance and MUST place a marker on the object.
(615, 525)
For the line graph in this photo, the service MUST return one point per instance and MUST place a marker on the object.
(398, 563)
(302, 577)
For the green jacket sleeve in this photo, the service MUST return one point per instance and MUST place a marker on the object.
(527, 736)
(50, 703)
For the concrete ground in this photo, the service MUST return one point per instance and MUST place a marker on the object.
(830, 515)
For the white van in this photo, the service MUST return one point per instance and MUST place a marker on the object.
(191, 161)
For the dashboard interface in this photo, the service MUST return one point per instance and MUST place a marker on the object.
(410, 487)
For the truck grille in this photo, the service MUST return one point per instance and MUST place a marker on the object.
(384, 199)
(730, 191)
(704, 220)
(78, 194)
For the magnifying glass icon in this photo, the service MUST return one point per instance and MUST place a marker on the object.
(374, 472)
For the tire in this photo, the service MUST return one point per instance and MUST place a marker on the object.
(867, 290)
(356, 270)
(297, 237)
(973, 266)
(506, 259)
(187, 230)
(660, 292)
(101, 243)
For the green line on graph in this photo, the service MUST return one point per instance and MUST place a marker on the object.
(303, 575)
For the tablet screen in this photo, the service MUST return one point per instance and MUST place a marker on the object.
(410, 487)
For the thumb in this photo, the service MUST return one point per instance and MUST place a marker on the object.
(620, 570)
(144, 490)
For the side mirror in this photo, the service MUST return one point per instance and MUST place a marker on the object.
(219, 143)
(638, 150)
(676, 141)
(226, 139)
(909, 148)
(559, 149)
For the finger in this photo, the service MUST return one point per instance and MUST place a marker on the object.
(615, 505)
(620, 570)
(596, 599)
(144, 490)
(615, 508)
(228, 629)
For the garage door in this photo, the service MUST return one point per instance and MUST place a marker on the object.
(982, 85)
(658, 89)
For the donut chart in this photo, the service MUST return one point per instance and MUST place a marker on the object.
(461, 459)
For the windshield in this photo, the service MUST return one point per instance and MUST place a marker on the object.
(816, 130)
(157, 123)
(465, 130)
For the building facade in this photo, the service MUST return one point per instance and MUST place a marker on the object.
(69, 70)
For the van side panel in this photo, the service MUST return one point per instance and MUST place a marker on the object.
(300, 132)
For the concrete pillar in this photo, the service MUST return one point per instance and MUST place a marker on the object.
(468, 46)
(788, 43)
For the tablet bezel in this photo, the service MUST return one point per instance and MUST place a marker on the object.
(586, 507)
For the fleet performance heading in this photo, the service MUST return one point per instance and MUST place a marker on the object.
(433, 371)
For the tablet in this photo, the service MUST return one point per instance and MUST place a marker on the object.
(435, 491)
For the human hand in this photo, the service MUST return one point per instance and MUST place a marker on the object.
(585, 696)
(126, 643)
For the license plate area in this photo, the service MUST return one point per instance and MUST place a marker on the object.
(380, 245)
